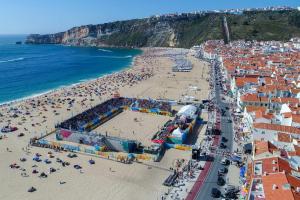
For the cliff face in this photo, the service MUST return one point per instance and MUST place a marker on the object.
(183, 30)
(45, 39)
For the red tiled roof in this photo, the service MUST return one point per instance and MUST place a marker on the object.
(253, 98)
(296, 118)
(294, 182)
(275, 187)
(297, 150)
(256, 108)
(284, 137)
(264, 146)
(241, 81)
(277, 127)
(274, 164)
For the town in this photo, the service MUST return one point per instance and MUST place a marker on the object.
(260, 81)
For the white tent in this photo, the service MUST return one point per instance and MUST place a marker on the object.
(177, 132)
(189, 98)
(188, 111)
(285, 109)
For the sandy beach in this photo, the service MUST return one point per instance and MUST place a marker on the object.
(150, 76)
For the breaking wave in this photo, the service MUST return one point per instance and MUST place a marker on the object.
(12, 60)
(116, 57)
(104, 50)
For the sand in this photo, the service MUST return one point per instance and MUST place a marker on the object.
(133, 126)
(150, 76)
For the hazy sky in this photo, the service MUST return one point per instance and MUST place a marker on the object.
(48, 16)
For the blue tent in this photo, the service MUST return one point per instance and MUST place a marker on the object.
(242, 171)
(236, 158)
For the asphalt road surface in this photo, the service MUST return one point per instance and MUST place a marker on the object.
(226, 128)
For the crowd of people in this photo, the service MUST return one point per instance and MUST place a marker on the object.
(79, 121)
(150, 104)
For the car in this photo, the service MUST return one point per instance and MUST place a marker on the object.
(230, 195)
(223, 170)
(215, 193)
(225, 161)
(229, 121)
(224, 139)
(223, 146)
(221, 181)
(232, 188)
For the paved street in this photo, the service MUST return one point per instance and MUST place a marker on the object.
(211, 179)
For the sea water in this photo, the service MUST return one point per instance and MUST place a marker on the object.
(27, 70)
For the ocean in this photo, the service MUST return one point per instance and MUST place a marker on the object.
(29, 70)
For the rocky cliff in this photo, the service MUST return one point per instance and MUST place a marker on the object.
(183, 30)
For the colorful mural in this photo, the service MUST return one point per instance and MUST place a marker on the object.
(118, 156)
(150, 111)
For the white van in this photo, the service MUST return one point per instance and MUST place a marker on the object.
(224, 161)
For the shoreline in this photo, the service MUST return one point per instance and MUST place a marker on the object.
(61, 87)
(150, 76)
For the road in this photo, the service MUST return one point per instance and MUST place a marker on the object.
(226, 128)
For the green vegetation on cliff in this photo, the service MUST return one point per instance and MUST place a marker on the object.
(180, 31)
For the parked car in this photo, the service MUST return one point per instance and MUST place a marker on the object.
(223, 170)
(223, 146)
(232, 188)
(221, 181)
(224, 139)
(231, 195)
(215, 193)
(225, 161)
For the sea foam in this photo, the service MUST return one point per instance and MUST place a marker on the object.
(104, 50)
(12, 60)
(115, 57)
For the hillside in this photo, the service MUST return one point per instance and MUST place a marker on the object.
(183, 30)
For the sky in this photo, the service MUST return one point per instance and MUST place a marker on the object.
(50, 16)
